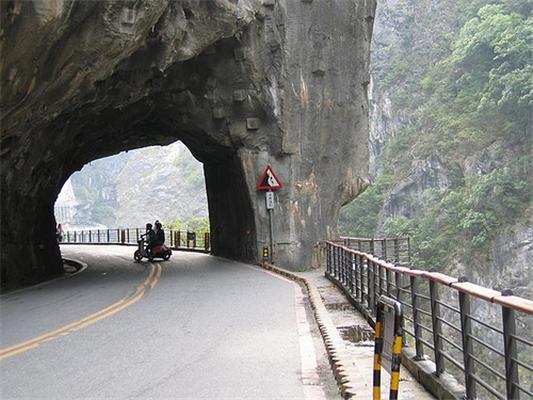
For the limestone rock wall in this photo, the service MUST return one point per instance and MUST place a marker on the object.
(242, 83)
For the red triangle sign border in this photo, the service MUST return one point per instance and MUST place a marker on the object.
(261, 184)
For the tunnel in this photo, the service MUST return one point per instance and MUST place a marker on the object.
(243, 84)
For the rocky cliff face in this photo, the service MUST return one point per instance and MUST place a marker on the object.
(414, 171)
(160, 183)
(130, 189)
(241, 83)
(511, 253)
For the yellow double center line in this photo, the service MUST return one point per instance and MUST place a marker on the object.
(150, 281)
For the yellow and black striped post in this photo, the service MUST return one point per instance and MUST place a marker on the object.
(395, 366)
(265, 253)
(378, 348)
(396, 347)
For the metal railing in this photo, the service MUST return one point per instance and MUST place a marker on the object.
(481, 336)
(393, 249)
(174, 238)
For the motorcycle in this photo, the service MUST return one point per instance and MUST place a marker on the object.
(159, 251)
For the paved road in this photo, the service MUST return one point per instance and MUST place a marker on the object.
(193, 327)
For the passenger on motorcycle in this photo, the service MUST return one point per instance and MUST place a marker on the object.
(159, 233)
(151, 241)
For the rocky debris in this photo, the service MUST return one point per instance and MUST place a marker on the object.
(241, 84)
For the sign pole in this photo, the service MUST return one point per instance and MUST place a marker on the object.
(270, 205)
(270, 231)
(269, 182)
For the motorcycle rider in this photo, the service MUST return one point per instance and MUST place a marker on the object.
(150, 238)
(159, 234)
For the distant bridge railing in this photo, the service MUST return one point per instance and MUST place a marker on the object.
(393, 249)
(174, 238)
(482, 337)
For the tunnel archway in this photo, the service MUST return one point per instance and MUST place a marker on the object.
(242, 84)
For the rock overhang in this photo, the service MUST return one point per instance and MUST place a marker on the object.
(241, 83)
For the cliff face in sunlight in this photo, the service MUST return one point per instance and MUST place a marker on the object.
(451, 138)
(130, 189)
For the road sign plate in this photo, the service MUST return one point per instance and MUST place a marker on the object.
(270, 200)
(269, 180)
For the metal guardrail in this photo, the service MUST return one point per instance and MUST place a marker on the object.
(174, 238)
(393, 249)
(481, 336)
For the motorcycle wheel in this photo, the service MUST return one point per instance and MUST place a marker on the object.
(137, 256)
(166, 256)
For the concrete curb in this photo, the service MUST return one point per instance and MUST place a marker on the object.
(335, 349)
(445, 386)
(80, 267)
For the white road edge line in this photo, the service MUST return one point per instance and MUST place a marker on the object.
(313, 388)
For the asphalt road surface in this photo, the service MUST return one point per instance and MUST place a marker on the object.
(194, 327)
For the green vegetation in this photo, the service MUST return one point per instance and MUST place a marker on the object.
(471, 114)
(193, 224)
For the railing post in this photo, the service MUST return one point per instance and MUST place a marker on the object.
(437, 326)
(82, 237)
(328, 258)
(398, 283)
(336, 262)
(98, 235)
(332, 260)
(369, 284)
(345, 267)
(380, 275)
(384, 249)
(136, 234)
(108, 236)
(372, 247)
(389, 282)
(372, 285)
(206, 241)
(396, 251)
(408, 250)
(342, 269)
(360, 274)
(466, 332)
(339, 264)
(349, 270)
(509, 342)
(354, 275)
(416, 320)
(90, 236)
(75, 237)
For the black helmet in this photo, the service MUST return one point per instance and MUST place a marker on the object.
(148, 226)
(157, 224)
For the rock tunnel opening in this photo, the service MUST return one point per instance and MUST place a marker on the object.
(132, 188)
(176, 108)
(230, 210)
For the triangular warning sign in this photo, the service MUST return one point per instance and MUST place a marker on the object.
(269, 180)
